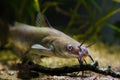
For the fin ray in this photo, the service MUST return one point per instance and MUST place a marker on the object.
(42, 21)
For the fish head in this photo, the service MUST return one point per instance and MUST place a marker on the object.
(71, 49)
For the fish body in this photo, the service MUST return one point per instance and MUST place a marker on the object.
(28, 41)
(49, 41)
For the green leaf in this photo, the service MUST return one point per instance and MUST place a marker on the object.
(114, 27)
(36, 5)
(96, 5)
(107, 16)
(118, 1)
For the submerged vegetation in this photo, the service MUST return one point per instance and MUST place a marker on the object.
(96, 20)
(79, 18)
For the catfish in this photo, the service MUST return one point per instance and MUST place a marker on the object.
(28, 41)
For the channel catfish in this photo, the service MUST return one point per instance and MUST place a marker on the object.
(28, 41)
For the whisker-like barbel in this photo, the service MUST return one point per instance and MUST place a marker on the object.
(91, 58)
(82, 43)
(90, 44)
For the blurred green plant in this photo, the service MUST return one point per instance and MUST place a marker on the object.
(116, 28)
(82, 18)
(85, 22)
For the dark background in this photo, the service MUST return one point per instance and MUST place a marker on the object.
(94, 19)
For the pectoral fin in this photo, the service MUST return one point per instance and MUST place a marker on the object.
(39, 47)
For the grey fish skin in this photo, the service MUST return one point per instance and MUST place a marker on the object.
(24, 36)
(43, 41)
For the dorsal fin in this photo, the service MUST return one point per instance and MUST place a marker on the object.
(42, 21)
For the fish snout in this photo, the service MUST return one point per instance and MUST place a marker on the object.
(83, 52)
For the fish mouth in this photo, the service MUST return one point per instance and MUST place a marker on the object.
(82, 55)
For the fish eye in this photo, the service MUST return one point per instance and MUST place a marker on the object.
(69, 47)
